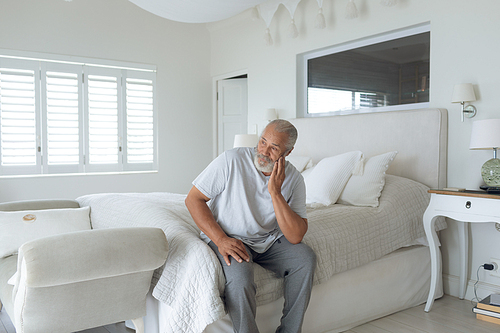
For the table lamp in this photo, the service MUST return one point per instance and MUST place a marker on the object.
(245, 140)
(486, 135)
(271, 114)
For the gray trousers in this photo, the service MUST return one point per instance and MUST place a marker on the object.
(294, 263)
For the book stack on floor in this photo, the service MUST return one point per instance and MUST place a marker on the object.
(489, 309)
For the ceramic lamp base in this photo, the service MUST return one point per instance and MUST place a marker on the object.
(491, 172)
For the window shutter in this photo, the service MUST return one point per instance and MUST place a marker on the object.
(76, 116)
(18, 132)
(103, 119)
(140, 120)
(63, 134)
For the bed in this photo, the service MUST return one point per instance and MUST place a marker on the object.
(370, 259)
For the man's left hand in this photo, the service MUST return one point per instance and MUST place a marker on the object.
(277, 176)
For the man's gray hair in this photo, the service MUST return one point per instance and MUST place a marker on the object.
(284, 126)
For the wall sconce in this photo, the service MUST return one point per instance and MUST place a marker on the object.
(464, 92)
(271, 114)
(245, 140)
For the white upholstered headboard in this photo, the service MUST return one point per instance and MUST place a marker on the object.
(420, 137)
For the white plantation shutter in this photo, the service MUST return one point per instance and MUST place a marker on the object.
(103, 105)
(62, 121)
(70, 117)
(140, 121)
(18, 118)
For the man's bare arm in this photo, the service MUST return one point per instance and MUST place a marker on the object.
(196, 203)
(291, 224)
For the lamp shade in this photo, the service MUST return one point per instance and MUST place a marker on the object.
(463, 92)
(485, 134)
(245, 140)
(271, 114)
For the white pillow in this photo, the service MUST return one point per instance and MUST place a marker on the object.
(300, 163)
(19, 227)
(327, 180)
(365, 189)
(307, 172)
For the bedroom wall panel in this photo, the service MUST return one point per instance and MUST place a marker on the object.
(463, 49)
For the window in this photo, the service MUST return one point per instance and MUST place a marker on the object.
(68, 117)
(380, 73)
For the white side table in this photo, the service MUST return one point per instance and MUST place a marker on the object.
(464, 207)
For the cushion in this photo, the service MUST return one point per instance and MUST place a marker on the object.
(300, 163)
(364, 188)
(19, 227)
(307, 172)
(327, 180)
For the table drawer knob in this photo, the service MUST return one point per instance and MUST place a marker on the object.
(468, 204)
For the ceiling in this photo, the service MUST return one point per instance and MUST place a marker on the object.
(196, 11)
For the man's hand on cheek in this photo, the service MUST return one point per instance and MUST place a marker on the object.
(277, 176)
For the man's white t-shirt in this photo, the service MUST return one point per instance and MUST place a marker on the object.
(240, 199)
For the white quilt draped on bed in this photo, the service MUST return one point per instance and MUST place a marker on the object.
(192, 280)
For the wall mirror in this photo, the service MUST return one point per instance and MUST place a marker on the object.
(381, 73)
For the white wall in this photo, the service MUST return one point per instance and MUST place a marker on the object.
(464, 48)
(119, 30)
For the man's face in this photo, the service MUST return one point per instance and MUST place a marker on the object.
(270, 148)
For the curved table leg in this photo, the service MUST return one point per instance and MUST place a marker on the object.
(432, 238)
(463, 242)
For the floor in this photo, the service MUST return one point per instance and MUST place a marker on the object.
(7, 327)
(448, 315)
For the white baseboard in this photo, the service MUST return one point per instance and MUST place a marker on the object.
(483, 289)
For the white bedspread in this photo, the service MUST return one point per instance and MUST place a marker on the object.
(192, 280)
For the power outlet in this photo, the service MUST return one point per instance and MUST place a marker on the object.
(496, 270)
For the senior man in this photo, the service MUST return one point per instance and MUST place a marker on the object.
(256, 212)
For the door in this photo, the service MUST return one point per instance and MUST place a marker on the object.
(232, 111)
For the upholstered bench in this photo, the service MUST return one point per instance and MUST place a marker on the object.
(70, 280)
